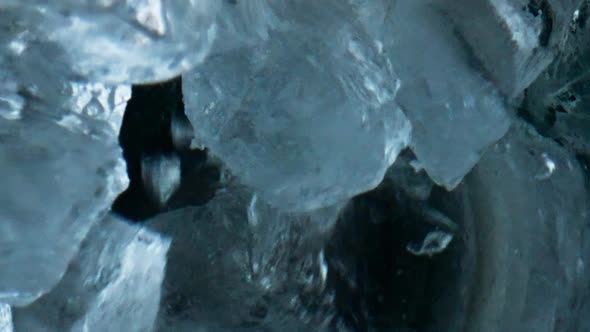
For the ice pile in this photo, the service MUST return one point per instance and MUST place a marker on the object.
(60, 114)
(308, 104)
(275, 108)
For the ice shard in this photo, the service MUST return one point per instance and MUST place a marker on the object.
(434, 243)
(454, 110)
(113, 284)
(281, 114)
(62, 168)
(161, 176)
(239, 264)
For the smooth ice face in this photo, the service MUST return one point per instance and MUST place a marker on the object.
(528, 200)
(308, 118)
(454, 111)
(510, 38)
(237, 264)
(112, 41)
(61, 169)
(113, 284)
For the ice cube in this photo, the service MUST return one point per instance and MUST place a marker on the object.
(308, 118)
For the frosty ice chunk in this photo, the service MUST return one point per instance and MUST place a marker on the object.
(307, 118)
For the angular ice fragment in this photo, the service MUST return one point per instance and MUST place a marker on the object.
(113, 284)
(507, 37)
(529, 235)
(6, 318)
(434, 243)
(114, 41)
(454, 111)
(237, 264)
(308, 122)
(61, 171)
(161, 176)
(150, 14)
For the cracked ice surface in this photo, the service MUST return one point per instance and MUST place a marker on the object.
(280, 115)
(115, 259)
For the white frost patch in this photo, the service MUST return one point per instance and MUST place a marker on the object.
(11, 106)
(150, 14)
(549, 166)
(73, 123)
(398, 135)
(523, 34)
(17, 47)
(6, 318)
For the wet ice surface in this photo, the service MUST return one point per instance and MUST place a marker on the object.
(368, 166)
